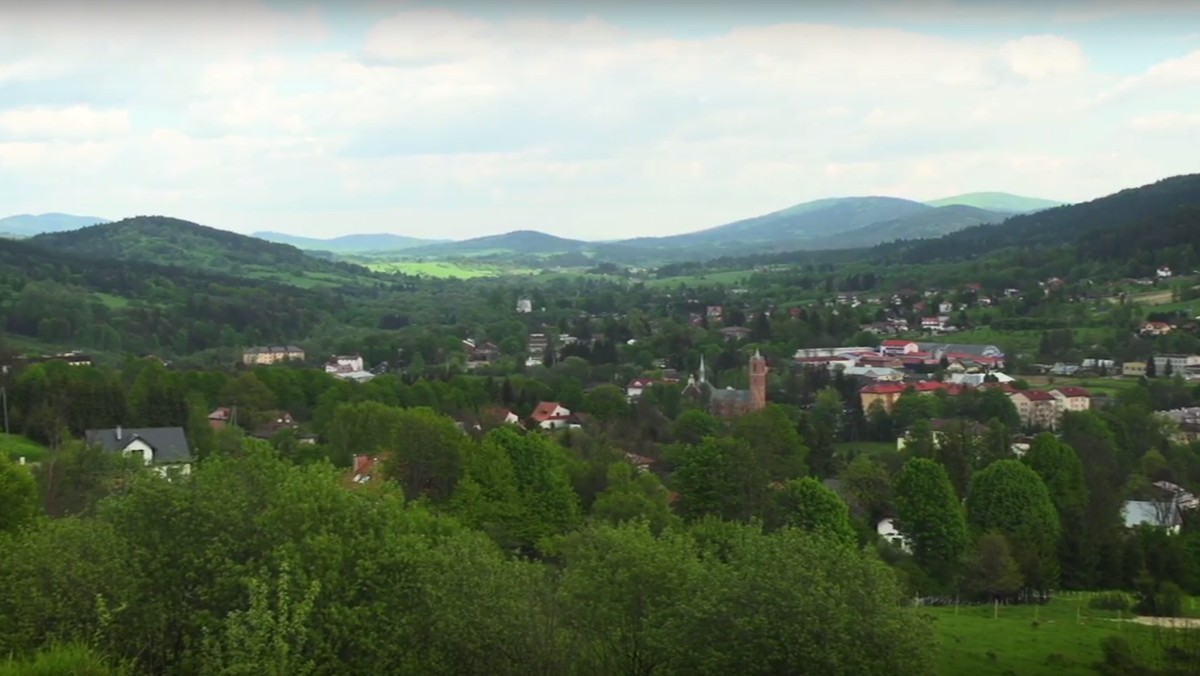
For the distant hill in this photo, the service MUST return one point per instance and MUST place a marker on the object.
(171, 241)
(997, 201)
(1064, 225)
(793, 226)
(920, 225)
(28, 225)
(365, 243)
(528, 242)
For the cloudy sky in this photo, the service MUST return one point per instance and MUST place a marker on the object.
(595, 120)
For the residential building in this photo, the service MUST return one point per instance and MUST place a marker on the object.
(498, 415)
(898, 347)
(1037, 409)
(1177, 363)
(1072, 399)
(934, 323)
(730, 333)
(1155, 329)
(524, 306)
(940, 427)
(887, 530)
(271, 354)
(886, 394)
(1163, 273)
(1133, 369)
(220, 418)
(480, 354)
(344, 364)
(163, 448)
(551, 415)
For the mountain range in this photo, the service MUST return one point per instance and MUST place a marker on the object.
(28, 225)
(832, 223)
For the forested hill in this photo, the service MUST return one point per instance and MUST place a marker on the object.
(142, 307)
(172, 241)
(1129, 211)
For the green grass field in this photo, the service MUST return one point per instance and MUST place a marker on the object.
(447, 270)
(848, 448)
(726, 278)
(16, 446)
(1061, 637)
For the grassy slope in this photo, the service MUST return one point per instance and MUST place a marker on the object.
(1061, 642)
(16, 446)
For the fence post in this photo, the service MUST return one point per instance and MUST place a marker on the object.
(995, 608)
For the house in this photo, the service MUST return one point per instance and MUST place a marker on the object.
(1165, 364)
(714, 312)
(164, 448)
(480, 354)
(1184, 423)
(887, 530)
(498, 415)
(979, 379)
(934, 323)
(277, 421)
(731, 333)
(71, 358)
(1163, 273)
(271, 354)
(220, 418)
(1158, 514)
(945, 307)
(1037, 409)
(640, 462)
(550, 415)
(637, 386)
(366, 467)
(1155, 329)
(1072, 399)
(524, 306)
(1133, 369)
(344, 364)
(897, 347)
(830, 363)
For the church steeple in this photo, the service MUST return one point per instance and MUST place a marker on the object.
(703, 376)
(758, 381)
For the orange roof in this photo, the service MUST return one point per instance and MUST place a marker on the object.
(1072, 391)
(545, 411)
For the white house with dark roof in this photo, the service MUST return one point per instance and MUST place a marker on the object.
(164, 448)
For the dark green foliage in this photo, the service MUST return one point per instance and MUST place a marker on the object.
(931, 517)
(1110, 601)
(1012, 499)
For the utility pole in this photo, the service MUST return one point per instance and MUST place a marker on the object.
(4, 395)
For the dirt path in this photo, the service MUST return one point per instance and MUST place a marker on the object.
(1171, 622)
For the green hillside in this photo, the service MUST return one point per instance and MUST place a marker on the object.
(529, 242)
(996, 201)
(172, 241)
(359, 243)
(921, 225)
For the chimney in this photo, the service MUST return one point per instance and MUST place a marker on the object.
(118, 432)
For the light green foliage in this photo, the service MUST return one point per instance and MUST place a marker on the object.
(721, 477)
(931, 516)
(1010, 498)
(632, 494)
(869, 485)
(776, 444)
(18, 496)
(63, 660)
(808, 505)
(253, 399)
(795, 602)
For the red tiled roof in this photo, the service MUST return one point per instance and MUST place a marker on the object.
(922, 386)
(896, 343)
(545, 411)
(1072, 391)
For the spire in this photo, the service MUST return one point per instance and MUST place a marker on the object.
(702, 369)
(757, 354)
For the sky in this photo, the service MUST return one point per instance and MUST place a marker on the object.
(593, 120)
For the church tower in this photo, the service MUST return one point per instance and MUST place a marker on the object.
(703, 375)
(758, 382)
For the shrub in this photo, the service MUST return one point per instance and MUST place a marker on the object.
(1109, 601)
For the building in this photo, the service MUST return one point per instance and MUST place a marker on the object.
(220, 418)
(899, 347)
(1159, 514)
(163, 448)
(886, 394)
(524, 306)
(344, 364)
(1133, 369)
(1174, 363)
(1155, 329)
(1073, 399)
(730, 403)
(1037, 409)
(939, 427)
(733, 333)
(271, 354)
(887, 530)
(551, 415)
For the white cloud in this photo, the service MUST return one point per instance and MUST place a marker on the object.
(73, 122)
(1166, 122)
(437, 120)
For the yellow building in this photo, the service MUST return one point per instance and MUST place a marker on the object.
(272, 354)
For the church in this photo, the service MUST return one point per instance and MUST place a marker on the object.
(730, 403)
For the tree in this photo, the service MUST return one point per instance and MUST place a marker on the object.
(721, 477)
(955, 450)
(426, 453)
(1010, 498)
(869, 485)
(990, 570)
(606, 403)
(775, 443)
(996, 444)
(632, 495)
(807, 504)
(693, 425)
(18, 496)
(919, 440)
(825, 422)
(930, 516)
(1060, 469)
(1151, 368)
(253, 399)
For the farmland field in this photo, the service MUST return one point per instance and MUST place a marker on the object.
(446, 270)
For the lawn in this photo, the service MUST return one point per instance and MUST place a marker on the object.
(726, 278)
(1062, 637)
(16, 446)
(848, 448)
(1111, 386)
(446, 270)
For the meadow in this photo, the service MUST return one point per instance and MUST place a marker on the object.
(15, 446)
(1062, 637)
(445, 269)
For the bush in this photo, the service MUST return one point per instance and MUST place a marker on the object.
(1164, 601)
(1110, 601)
(73, 659)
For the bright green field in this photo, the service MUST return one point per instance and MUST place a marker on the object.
(726, 277)
(446, 270)
(845, 448)
(16, 446)
(1061, 642)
